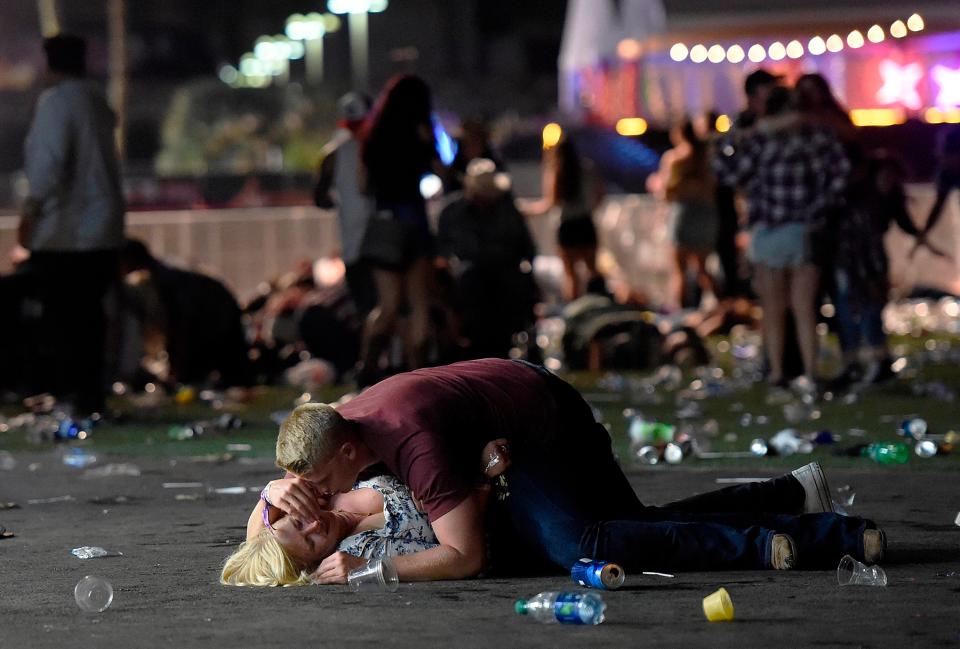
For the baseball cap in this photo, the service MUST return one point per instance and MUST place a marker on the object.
(353, 106)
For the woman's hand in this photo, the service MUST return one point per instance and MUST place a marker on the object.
(297, 497)
(334, 569)
(496, 457)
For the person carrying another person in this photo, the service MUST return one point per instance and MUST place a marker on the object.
(72, 222)
(563, 494)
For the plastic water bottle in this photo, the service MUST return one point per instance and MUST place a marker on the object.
(565, 608)
(887, 453)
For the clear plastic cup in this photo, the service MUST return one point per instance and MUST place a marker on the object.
(93, 594)
(378, 574)
(718, 607)
(851, 572)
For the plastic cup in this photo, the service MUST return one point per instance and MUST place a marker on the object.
(851, 572)
(378, 574)
(93, 594)
(718, 607)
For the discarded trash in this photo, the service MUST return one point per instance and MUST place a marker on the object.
(824, 437)
(887, 453)
(956, 521)
(5, 533)
(914, 428)
(78, 458)
(759, 447)
(718, 607)
(72, 429)
(598, 574)
(8, 505)
(739, 480)
(113, 470)
(185, 395)
(378, 574)
(926, 448)
(845, 495)
(233, 491)
(88, 552)
(647, 455)
(7, 461)
(239, 447)
(565, 608)
(659, 574)
(187, 497)
(851, 572)
(182, 485)
(45, 501)
(650, 432)
(93, 594)
(180, 432)
(786, 442)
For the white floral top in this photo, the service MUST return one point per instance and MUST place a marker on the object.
(406, 530)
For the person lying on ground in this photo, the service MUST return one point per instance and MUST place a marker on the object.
(564, 496)
(293, 539)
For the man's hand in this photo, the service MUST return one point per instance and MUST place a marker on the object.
(297, 497)
(496, 457)
(334, 569)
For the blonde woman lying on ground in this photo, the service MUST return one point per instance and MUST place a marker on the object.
(378, 518)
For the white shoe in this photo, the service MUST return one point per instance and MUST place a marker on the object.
(818, 497)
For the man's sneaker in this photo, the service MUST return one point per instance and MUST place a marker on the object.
(874, 546)
(818, 499)
(783, 552)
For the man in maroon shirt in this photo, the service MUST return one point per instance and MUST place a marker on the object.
(568, 497)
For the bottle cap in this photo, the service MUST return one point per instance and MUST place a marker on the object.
(520, 606)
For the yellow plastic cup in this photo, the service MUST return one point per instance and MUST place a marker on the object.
(718, 606)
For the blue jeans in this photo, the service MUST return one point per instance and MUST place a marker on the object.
(857, 326)
(569, 499)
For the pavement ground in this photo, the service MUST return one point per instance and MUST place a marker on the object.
(174, 540)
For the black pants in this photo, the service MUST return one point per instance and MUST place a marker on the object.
(71, 332)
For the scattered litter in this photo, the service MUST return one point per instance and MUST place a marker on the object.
(187, 497)
(78, 458)
(232, 490)
(5, 533)
(7, 461)
(239, 447)
(55, 499)
(93, 594)
(739, 480)
(12, 505)
(659, 574)
(92, 552)
(182, 485)
(112, 500)
(604, 575)
(565, 608)
(113, 470)
(956, 521)
(212, 458)
(851, 572)
(717, 606)
(949, 573)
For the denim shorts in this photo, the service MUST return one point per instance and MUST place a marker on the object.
(780, 246)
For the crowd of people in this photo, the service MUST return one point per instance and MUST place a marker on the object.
(789, 200)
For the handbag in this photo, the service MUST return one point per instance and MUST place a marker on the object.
(384, 240)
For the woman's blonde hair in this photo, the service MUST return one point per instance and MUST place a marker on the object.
(262, 561)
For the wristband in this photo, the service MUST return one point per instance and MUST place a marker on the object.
(264, 495)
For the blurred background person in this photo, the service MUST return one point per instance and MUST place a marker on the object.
(686, 181)
(473, 143)
(484, 243)
(72, 222)
(793, 173)
(570, 184)
(338, 186)
(397, 149)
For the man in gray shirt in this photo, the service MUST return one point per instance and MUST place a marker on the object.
(72, 222)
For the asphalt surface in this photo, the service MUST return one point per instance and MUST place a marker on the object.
(173, 541)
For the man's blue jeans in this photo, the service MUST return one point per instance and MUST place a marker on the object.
(857, 324)
(569, 499)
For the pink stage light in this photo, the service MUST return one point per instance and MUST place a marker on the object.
(900, 84)
(948, 80)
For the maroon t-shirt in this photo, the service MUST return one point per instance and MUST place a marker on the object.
(429, 426)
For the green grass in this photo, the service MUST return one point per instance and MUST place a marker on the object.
(143, 431)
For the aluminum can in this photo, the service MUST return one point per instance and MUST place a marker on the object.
(598, 574)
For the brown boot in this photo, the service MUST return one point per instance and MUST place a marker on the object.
(874, 546)
(783, 552)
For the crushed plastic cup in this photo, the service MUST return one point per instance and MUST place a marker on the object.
(378, 574)
(926, 448)
(88, 552)
(718, 607)
(93, 594)
(851, 572)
